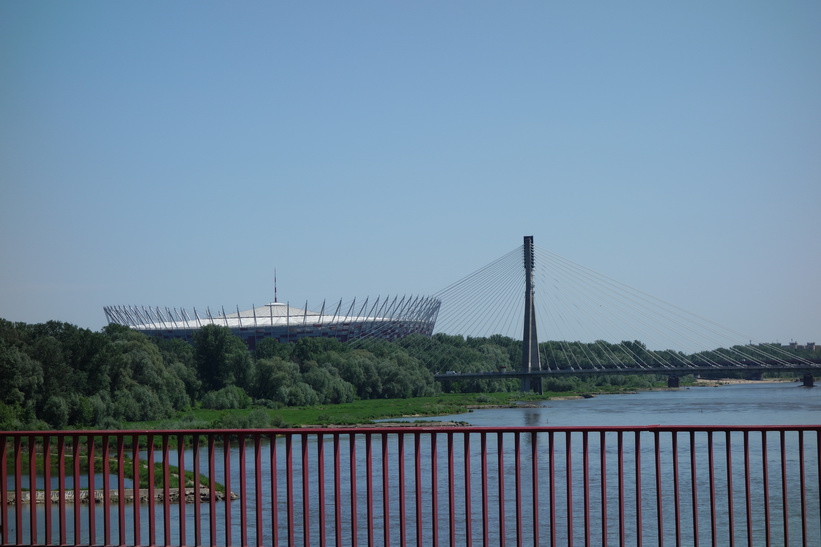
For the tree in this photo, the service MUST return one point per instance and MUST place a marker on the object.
(240, 368)
(21, 377)
(271, 347)
(225, 398)
(212, 347)
(315, 349)
(55, 412)
(327, 384)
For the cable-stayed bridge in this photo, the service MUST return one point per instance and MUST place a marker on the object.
(574, 321)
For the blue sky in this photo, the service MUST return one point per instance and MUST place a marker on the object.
(175, 153)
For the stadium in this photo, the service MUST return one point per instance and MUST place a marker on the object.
(387, 319)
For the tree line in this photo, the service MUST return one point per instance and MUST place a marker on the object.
(57, 375)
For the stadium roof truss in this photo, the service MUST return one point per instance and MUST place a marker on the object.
(389, 318)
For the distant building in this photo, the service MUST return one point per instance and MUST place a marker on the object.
(808, 346)
(387, 319)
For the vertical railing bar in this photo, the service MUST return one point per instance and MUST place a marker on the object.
(552, 486)
(18, 493)
(802, 487)
(468, 509)
(46, 487)
(586, 485)
(152, 524)
(274, 493)
(517, 458)
(747, 489)
(289, 487)
(212, 490)
(766, 484)
(603, 473)
(226, 459)
(106, 491)
(730, 508)
(451, 493)
(417, 456)
(354, 513)
(4, 477)
(568, 462)
(135, 466)
(166, 491)
(32, 489)
(121, 486)
(369, 485)
(784, 498)
(676, 487)
(320, 460)
(75, 451)
(337, 491)
(385, 491)
(659, 504)
(639, 518)
(712, 485)
(485, 491)
(620, 475)
(183, 496)
(257, 488)
(818, 464)
(434, 479)
(243, 491)
(534, 481)
(306, 498)
(500, 456)
(195, 456)
(400, 450)
(92, 493)
(694, 486)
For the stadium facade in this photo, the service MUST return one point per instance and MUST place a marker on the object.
(387, 319)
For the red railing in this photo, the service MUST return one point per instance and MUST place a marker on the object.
(675, 485)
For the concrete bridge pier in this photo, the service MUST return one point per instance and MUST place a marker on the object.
(673, 381)
(808, 380)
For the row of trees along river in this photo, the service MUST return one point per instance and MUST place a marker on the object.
(57, 375)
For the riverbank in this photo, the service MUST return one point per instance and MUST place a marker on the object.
(129, 495)
(735, 381)
(369, 411)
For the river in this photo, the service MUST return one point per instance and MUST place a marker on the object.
(758, 403)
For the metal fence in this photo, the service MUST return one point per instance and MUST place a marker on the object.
(674, 485)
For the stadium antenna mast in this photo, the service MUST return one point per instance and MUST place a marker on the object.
(275, 285)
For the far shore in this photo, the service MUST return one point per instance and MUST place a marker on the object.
(731, 381)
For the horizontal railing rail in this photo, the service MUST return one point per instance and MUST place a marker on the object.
(654, 485)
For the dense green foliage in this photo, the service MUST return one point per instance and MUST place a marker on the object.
(56, 375)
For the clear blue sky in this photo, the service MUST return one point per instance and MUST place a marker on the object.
(175, 153)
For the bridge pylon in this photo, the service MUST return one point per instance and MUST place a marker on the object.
(530, 340)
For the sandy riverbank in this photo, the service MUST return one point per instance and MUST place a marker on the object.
(129, 495)
(733, 381)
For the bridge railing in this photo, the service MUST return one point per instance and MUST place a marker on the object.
(679, 485)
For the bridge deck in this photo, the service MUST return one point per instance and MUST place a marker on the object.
(798, 368)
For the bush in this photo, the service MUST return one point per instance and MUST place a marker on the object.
(109, 422)
(268, 403)
(226, 398)
(56, 412)
(258, 418)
